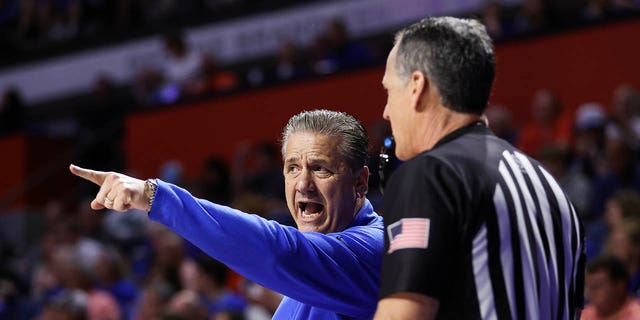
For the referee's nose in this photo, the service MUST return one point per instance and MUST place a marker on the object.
(385, 112)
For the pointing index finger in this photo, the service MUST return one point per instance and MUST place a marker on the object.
(96, 177)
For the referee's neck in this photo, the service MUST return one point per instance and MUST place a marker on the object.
(437, 122)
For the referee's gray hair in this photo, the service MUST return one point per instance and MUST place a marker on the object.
(455, 54)
(354, 142)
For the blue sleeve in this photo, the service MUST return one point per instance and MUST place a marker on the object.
(339, 271)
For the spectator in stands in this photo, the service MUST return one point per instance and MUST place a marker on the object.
(531, 17)
(624, 205)
(30, 22)
(154, 296)
(599, 10)
(329, 266)
(172, 171)
(493, 19)
(548, 124)
(216, 181)
(212, 279)
(631, 5)
(232, 316)
(557, 160)
(625, 117)
(334, 50)
(68, 305)
(257, 168)
(13, 304)
(56, 20)
(184, 68)
(168, 254)
(621, 171)
(8, 12)
(129, 233)
(606, 290)
(64, 17)
(596, 10)
(624, 243)
(89, 225)
(217, 78)
(289, 64)
(146, 87)
(186, 304)
(589, 139)
(110, 273)
(319, 61)
(262, 302)
(60, 246)
(258, 181)
(75, 274)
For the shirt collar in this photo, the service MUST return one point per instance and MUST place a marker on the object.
(477, 126)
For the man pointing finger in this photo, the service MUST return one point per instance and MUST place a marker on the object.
(327, 268)
(117, 191)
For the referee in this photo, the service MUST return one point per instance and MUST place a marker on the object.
(474, 228)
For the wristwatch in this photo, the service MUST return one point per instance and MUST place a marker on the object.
(150, 187)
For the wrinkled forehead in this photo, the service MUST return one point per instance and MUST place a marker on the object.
(311, 143)
(316, 149)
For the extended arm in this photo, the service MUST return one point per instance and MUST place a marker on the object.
(336, 271)
(330, 271)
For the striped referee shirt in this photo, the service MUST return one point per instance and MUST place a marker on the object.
(485, 229)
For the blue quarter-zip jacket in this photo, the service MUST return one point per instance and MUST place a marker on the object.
(322, 276)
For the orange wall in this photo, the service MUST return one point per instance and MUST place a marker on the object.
(191, 133)
(581, 66)
(13, 169)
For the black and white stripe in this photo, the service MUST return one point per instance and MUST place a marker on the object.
(535, 251)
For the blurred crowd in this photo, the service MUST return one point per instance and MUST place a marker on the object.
(69, 262)
(29, 27)
(188, 73)
(36, 26)
(535, 16)
(32, 25)
(66, 262)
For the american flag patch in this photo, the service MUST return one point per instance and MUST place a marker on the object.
(408, 233)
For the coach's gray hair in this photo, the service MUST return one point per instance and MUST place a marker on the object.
(455, 54)
(354, 142)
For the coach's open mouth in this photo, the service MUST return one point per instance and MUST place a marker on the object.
(308, 211)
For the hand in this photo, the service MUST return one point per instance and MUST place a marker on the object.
(117, 191)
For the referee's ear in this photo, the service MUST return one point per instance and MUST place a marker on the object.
(419, 85)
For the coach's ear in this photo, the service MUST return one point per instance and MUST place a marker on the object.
(419, 85)
(362, 182)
